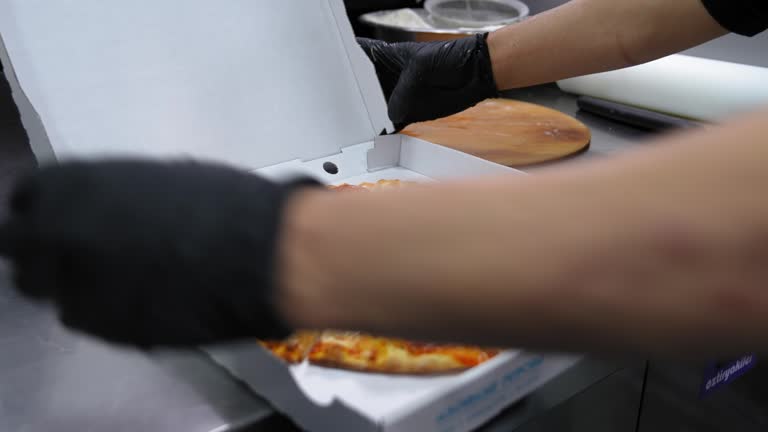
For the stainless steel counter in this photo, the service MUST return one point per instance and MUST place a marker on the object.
(51, 380)
(54, 381)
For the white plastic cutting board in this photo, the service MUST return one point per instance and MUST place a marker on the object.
(252, 83)
(682, 85)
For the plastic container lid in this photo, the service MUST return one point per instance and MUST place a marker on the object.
(477, 13)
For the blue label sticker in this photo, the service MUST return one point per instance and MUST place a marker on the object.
(719, 375)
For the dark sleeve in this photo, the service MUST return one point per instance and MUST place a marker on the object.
(744, 17)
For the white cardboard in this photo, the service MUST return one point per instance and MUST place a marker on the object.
(276, 87)
(392, 156)
(320, 399)
(250, 83)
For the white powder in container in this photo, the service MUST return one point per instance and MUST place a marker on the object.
(402, 18)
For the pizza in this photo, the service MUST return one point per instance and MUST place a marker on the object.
(367, 186)
(295, 348)
(369, 353)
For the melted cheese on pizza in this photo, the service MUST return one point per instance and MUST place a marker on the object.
(376, 354)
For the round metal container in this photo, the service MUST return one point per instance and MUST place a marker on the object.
(433, 31)
(477, 13)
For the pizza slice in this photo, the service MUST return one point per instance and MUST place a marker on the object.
(368, 186)
(295, 348)
(368, 353)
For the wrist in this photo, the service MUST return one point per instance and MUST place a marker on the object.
(301, 280)
(494, 44)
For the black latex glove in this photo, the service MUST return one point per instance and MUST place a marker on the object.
(150, 253)
(428, 80)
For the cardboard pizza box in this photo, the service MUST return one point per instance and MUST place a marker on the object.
(275, 87)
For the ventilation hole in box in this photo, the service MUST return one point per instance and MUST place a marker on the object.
(331, 168)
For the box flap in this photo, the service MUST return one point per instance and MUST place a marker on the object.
(245, 82)
(318, 398)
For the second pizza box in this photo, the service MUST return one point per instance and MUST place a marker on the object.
(274, 87)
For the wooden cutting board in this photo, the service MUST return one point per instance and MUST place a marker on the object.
(507, 132)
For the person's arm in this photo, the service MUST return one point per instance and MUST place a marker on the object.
(662, 251)
(589, 36)
(424, 81)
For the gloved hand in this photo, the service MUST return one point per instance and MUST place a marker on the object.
(150, 253)
(428, 80)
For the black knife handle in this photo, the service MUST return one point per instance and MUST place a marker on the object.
(638, 117)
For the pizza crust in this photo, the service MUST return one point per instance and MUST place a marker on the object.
(367, 353)
(295, 348)
(367, 186)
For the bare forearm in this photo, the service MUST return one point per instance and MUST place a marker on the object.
(589, 36)
(659, 251)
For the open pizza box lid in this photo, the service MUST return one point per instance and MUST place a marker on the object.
(243, 82)
(275, 87)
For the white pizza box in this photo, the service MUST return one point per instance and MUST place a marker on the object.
(274, 87)
(324, 399)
